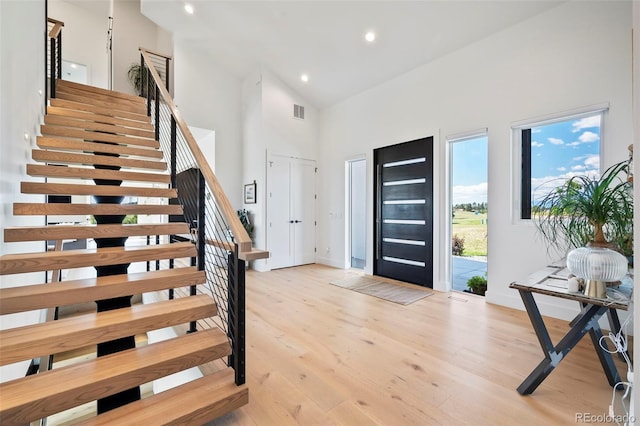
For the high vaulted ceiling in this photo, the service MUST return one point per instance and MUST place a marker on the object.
(325, 39)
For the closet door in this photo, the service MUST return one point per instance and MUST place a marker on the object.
(279, 226)
(290, 211)
(303, 203)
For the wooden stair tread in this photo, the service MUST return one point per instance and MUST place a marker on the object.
(87, 124)
(96, 147)
(32, 341)
(54, 260)
(91, 159)
(89, 135)
(34, 209)
(62, 232)
(193, 403)
(113, 104)
(64, 103)
(110, 97)
(91, 173)
(48, 295)
(99, 90)
(99, 118)
(81, 189)
(41, 395)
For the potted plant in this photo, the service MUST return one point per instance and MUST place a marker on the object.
(135, 76)
(588, 210)
(477, 284)
(243, 215)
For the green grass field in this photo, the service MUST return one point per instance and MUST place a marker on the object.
(473, 228)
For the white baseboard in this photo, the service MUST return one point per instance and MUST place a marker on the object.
(330, 262)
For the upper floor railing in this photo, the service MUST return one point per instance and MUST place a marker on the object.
(54, 55)
(220, 237)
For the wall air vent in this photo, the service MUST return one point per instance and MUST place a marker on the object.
(298, 111)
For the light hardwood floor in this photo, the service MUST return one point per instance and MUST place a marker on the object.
(318, 354)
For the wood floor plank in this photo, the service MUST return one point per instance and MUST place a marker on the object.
(91, 173)
(99, 118)
(87, 124)
(71, 189)
(61, 232)
(54, 260)
(40, 296)
(41, 395)
(36, 209)
(69, 132)
(451, 359)
(32, 341)
(67, 144)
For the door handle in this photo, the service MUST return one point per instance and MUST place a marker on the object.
(291, 221)
(298, 221)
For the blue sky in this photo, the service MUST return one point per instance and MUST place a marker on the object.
(558, 151)
(469, 172)
(562, 150)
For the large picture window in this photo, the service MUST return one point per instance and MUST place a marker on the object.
(553, 151)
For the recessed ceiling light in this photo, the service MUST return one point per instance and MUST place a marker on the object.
(188, 8)
(304, 77)
(370, 36)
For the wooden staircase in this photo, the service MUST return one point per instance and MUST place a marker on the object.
(85, 127)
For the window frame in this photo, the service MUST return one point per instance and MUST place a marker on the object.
(521, 147)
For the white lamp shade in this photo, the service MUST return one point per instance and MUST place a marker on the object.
(595, 263)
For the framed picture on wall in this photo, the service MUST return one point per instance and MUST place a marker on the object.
(250, 193)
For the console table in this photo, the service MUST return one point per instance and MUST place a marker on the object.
(552, 281)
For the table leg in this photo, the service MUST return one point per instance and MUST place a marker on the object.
(585, 322)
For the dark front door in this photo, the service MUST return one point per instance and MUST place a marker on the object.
(404, 212)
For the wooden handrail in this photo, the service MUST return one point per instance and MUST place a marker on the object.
(239, 233)
(155, 53)
(57, 27)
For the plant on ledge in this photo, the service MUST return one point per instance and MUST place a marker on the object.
(587, 210)
(243, 215)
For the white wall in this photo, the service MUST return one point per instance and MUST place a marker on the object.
(574, 55)
(22, 30)
(269, 126)
(84, 39)
(132, 30)
(208, 96)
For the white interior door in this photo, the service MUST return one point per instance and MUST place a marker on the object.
(290, 211)
(303, 182)
(279, 230)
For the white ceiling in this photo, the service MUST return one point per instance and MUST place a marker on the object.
(325, 39)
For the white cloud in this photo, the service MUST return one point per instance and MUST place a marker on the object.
(587, 137)
(542, 186)
(578, 167)
(576, 143)
(561, 169)
(469, 193)
(536, 144)
(586, 123)
(535, 130)
(592, 162)
(556, 141)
